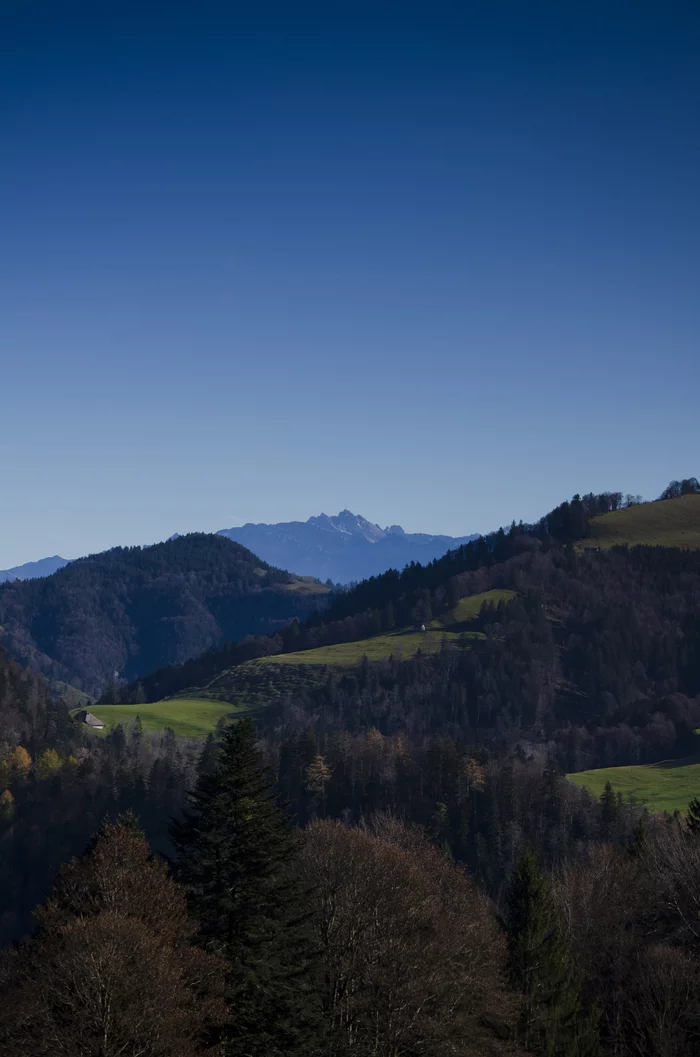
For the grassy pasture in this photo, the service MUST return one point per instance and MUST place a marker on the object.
(378, 648)
(662, 786)
(188, 717)
(306, 585)
(668, 523)
(404, 642)
(468, 608)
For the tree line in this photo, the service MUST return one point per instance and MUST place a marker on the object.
(388, 826)
(395, 599)
(257, 938)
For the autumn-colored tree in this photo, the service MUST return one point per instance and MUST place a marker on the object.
(318, 774)
(411, 956)
(48, 763)
(16, 765)
(111, 970)
(7, 806)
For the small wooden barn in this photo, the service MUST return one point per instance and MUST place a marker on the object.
(87, 717)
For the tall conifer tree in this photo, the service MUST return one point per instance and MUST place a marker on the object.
(236, 851)
(552, 1022)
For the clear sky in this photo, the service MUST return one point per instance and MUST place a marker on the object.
(437, 263)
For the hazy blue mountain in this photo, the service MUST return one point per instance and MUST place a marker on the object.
(343, 548)
(32, 570)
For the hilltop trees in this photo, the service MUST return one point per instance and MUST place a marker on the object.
(688, 486)
(235, 852)
(111, 969)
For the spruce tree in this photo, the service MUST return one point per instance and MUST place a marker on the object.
(236, 851)
(692, 816)
(552, 1022)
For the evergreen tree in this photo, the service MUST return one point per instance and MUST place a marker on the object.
(236, 851)
(552, 1022)
(609, 811)
(692, 816)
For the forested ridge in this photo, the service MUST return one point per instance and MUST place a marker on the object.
(398, 598)
(433, 885)
(132, 609)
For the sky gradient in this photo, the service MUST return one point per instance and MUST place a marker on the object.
(439, 264)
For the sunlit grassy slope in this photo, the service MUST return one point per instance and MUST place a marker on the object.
(188, 717)
(668, 523)
(259, 683)
(404, 642)
(662, 786)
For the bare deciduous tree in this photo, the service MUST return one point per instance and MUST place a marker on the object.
(411, 956)
(111, 971)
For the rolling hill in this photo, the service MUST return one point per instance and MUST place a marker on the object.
(403, 642)
(666, 523)
(130, 610)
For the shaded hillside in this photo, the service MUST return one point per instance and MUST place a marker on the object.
(29, 712)
(343, 548)
(131, 610)
(595, 655)
(398, 599)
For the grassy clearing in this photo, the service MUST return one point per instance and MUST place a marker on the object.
(404, 643)
(395, 643)
(468, 608)
(306, 585)
(188, 717)
(668, 523)
(664, 786)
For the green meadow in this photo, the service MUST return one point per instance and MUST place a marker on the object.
(468, 608)
(667, 523)
(404, 643)
(257, 683)
(187, 717)
(664, 786)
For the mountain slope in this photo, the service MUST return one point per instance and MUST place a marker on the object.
(666, 523)
(131, 610)
(32, 570)
(596, 655)
(343, 548)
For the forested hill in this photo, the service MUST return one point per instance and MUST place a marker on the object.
(592, 649)
(130, 610)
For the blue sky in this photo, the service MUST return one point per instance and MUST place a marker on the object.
(439, 264)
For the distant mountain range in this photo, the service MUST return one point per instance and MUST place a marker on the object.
(343, 548)
(32, 570)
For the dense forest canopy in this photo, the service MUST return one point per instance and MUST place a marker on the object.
(132, 609)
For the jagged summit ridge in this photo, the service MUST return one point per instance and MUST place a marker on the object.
(343, 547)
